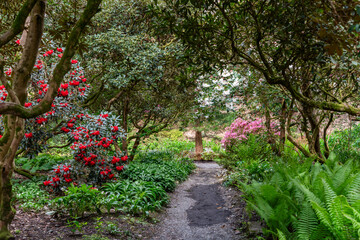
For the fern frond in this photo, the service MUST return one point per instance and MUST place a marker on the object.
(262, 208)
(353, 190)
(320, 233)
(336, 210)
(310, 196)
(355, 223)
(322, 214)
(281, 235)
(307, 222)
(342, 173)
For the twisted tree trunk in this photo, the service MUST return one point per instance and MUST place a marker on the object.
(14, 128)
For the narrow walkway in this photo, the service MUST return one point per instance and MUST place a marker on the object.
(200, 208)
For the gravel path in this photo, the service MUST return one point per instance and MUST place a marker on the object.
(200, 208)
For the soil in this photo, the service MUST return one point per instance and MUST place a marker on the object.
(200, 208)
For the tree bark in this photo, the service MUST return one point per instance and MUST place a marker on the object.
(282, 126)
(134, 148)
(198, 145)
(125, 125)
(14, 132)
(326, 146)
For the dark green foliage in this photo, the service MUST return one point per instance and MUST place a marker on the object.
(43, 162)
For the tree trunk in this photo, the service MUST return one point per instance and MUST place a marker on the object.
(271, 139)
(13, 134)
(198, 145)
(134, 149)
(125, 125)
(282, 126)
(326, 146)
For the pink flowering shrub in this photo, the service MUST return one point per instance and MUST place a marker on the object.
(240, 129)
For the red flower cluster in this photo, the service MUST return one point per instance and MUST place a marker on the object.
(41, 120)
(28, 135)
(8, 72)
(63, 175)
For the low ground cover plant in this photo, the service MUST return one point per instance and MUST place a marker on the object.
(29, 195)
(151, 168)
(137, 198)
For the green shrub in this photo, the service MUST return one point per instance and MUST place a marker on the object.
(137, 197)
(77, 200)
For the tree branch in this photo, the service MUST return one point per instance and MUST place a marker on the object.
(60, 70)
(19, 22)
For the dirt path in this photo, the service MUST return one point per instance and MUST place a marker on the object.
(201, 208)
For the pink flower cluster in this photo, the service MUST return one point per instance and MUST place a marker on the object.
(240, 129)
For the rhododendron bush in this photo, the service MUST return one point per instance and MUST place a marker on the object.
(91, 137)
(240, 130)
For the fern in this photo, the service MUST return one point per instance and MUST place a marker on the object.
(353, 190)
(334, 210)
(281, 235)
(310, 196)
(341, 174)
(322, 214)
(307, 222)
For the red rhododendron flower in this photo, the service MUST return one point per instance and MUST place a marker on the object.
(28, 135)
(74, 61)
(59, 49)
(64, 129)
(95, 133)
(18, 42)
(124, 158)
(64, 93)
(119, 168)
(70, 125)
(28, 104)
(8, 72)
(74, 83)
(64, 86)
(115, 128)
(46, 183)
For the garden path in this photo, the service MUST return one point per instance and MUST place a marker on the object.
(201, 208)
